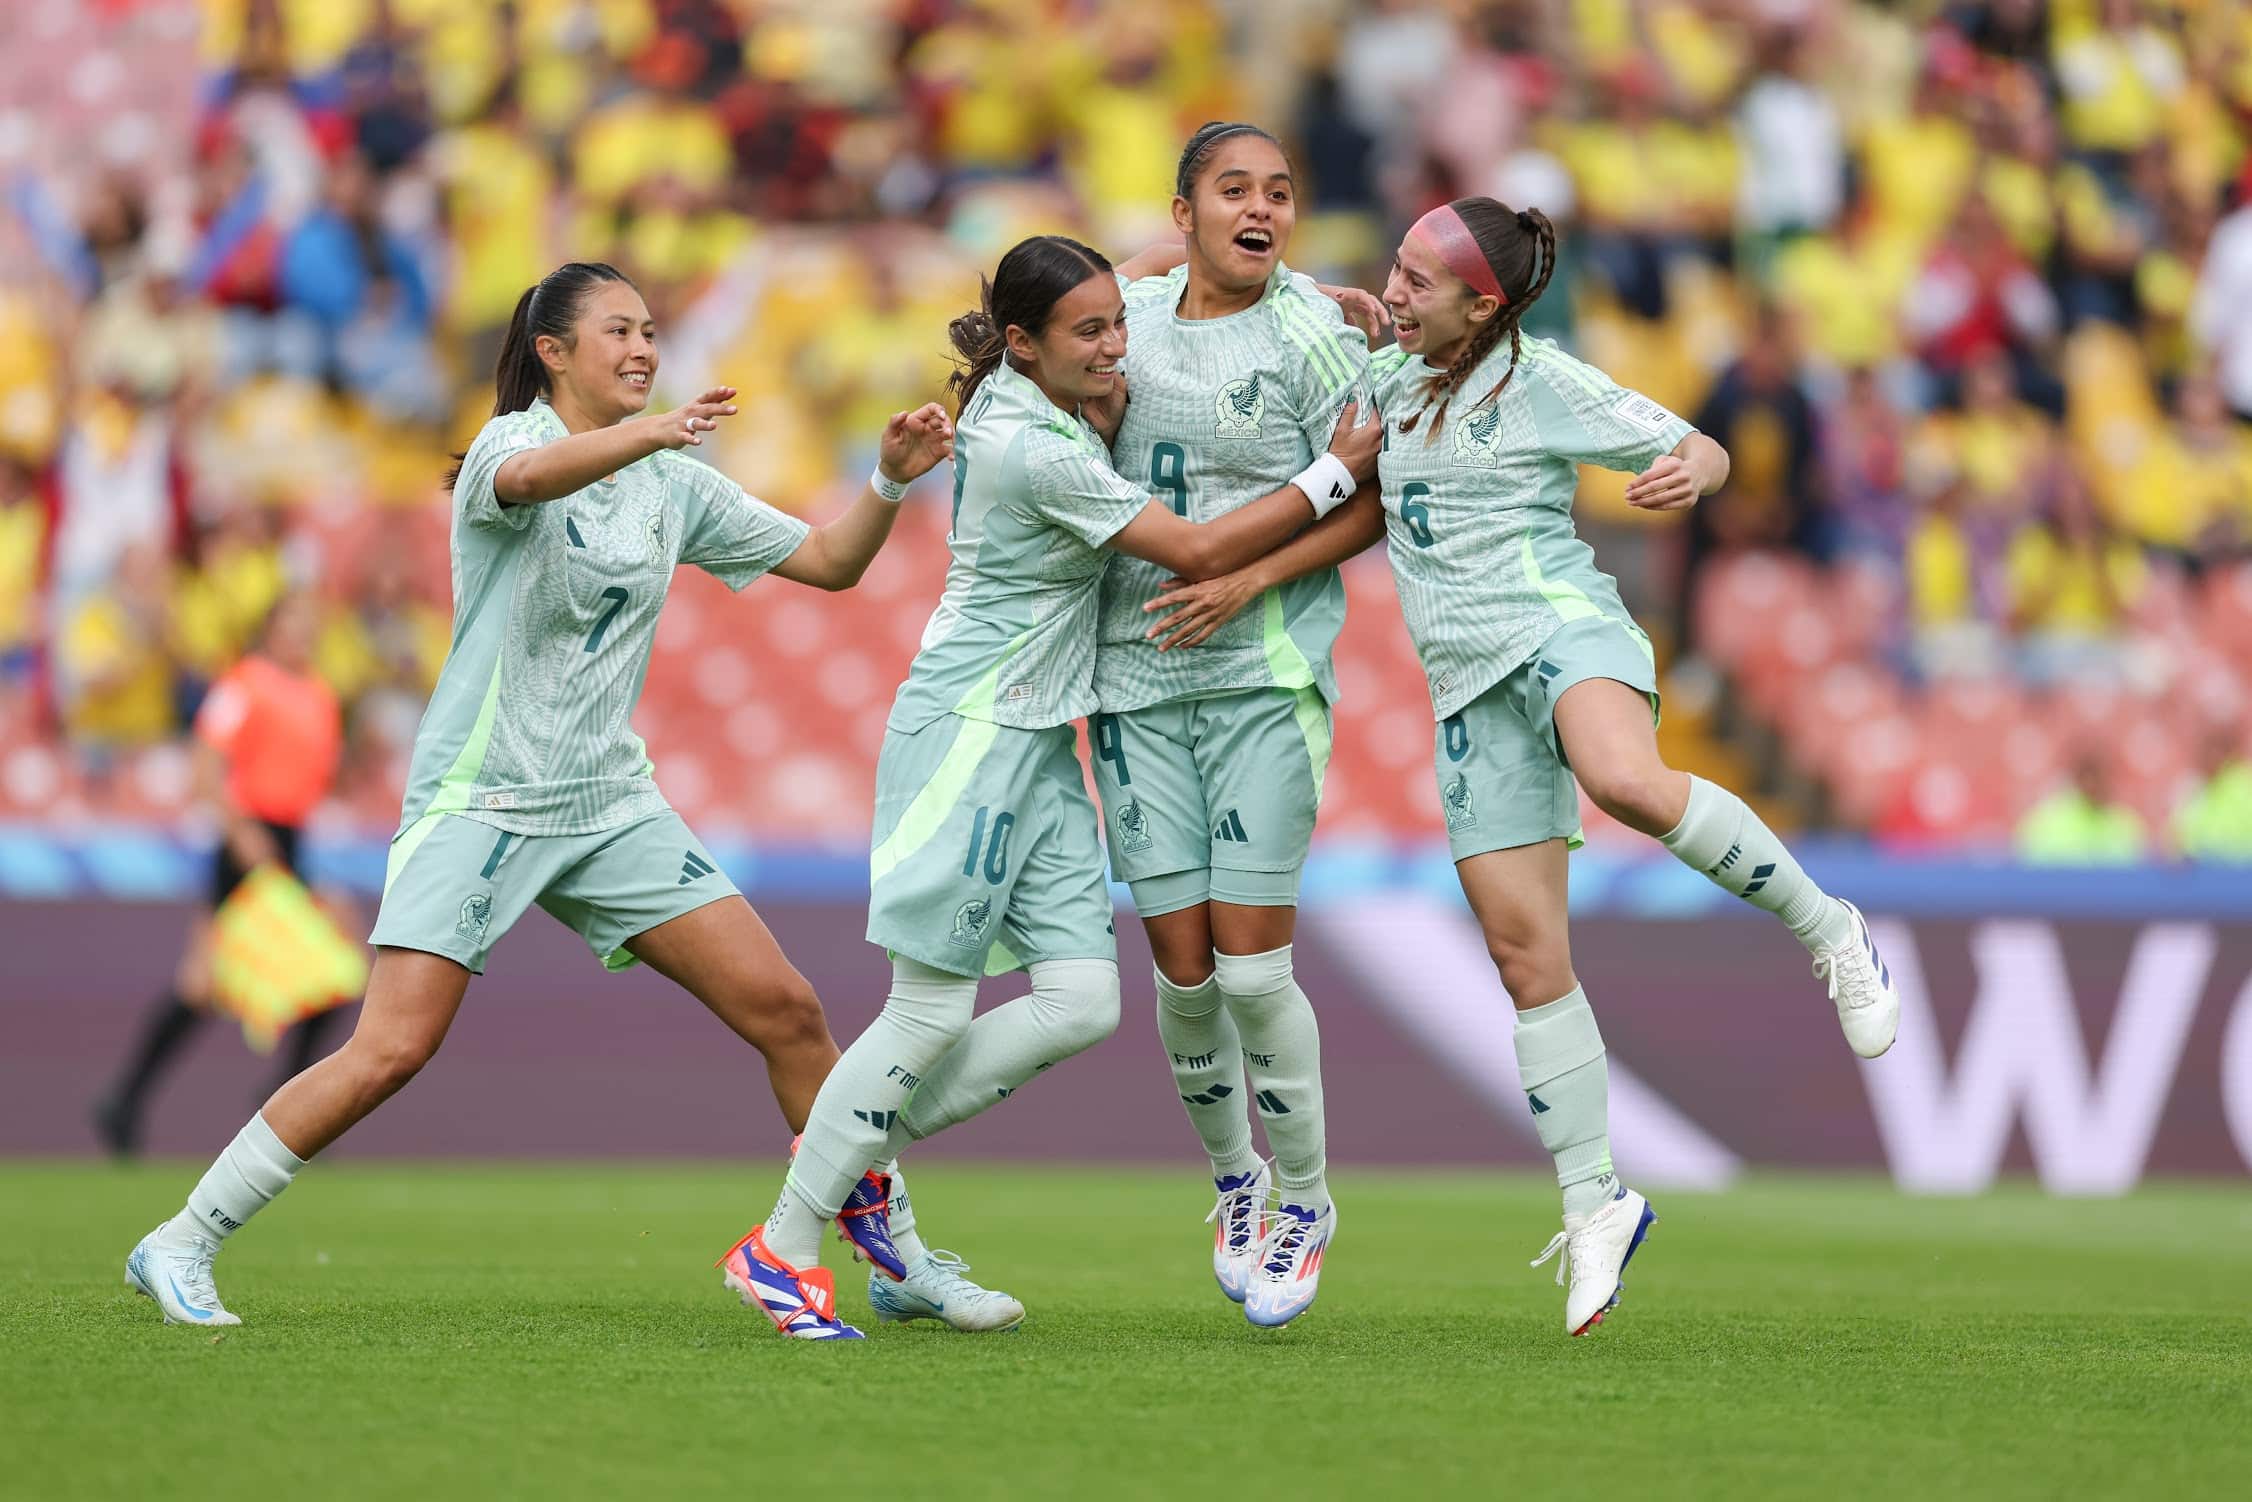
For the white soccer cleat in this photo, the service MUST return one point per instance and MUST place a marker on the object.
(1861, 987)
(935, 1288)
(1239, 1222)
(1597, 1253)
(1290, 1266)
(176, 1272)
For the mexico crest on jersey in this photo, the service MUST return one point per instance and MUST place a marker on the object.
(1460, 812)
(1133, 828)
(656, 526)
(1477, 436)
(970, 920)
(1241, 404)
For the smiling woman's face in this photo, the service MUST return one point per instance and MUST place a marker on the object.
(611, 362)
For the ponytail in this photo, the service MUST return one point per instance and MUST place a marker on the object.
(978, 345)
(549, 307)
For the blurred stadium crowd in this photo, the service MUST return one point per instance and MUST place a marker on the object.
(1965, 286)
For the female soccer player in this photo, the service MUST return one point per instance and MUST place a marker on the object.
(986, 858)
(268, 737)
(1538, 675)
(1210, 763)
(571, 510)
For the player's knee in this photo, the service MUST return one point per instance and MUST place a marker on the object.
(1531, 965)
(1637, 793)
(1251, 979)
(385, 1061)
(789, 1011)
(1082, 998)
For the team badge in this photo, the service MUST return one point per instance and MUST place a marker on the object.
(1477, 437)
(971, 920)
(1460, 814)
(656, 525)
(476, 913)
(1133, 828)
(1241, 404)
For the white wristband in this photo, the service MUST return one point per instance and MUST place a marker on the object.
(1327, 483)
(886, 487)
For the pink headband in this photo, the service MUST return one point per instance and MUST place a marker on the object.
(1447, 237)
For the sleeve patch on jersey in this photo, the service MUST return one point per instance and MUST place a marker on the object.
(1640, 411)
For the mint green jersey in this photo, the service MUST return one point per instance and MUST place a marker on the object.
(1222, 412)
(555, 610)
(1035, 499)
(1480, 514)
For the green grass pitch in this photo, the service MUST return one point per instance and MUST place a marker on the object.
(554, 1331)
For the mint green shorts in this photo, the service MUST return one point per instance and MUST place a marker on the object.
(453, 886)
(1503, 779)
(1212, 799)
(986, 857)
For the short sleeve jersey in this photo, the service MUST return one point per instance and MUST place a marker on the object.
(1479, 514)
(1222, 412)
(555, 610)
(1035, 500)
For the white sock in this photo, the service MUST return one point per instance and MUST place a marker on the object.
(1567, 1083)
(1721, 836)
(902, 1217)
(1072, 1007)
(852, 1118)
(242, 1181)
(793, 1228)
(1282, 1055)
(1206, 1053)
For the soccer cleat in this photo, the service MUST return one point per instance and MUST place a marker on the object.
(176, 1272)
(935, 1288)
(1861, 987)
(802, 1305)
(1290, 1265)
(1597, 1251)
(1239, 1224)
(864, 1224)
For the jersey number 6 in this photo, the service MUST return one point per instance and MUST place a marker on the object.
(1415, 514)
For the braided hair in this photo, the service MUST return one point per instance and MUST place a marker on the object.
(1520, 246)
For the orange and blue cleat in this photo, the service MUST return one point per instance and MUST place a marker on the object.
(802, 1305)
(865, 1222)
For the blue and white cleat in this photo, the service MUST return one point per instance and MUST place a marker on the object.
(864, 1223)
(802, 1305)
(1597, 1251)
(176, 1272)
(935, 1288)
(1239, 1221)
(1861, 988)
(1290, 1265)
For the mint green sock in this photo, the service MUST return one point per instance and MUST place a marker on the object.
(1567, 1084)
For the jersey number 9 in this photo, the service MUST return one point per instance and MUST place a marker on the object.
(1169, 472)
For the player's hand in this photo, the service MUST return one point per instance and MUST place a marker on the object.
(915, 443)
(1199, 609)
(685, 427)
(1106, 414)
(1668, 485)
(1363, 310)
(1357, 443)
